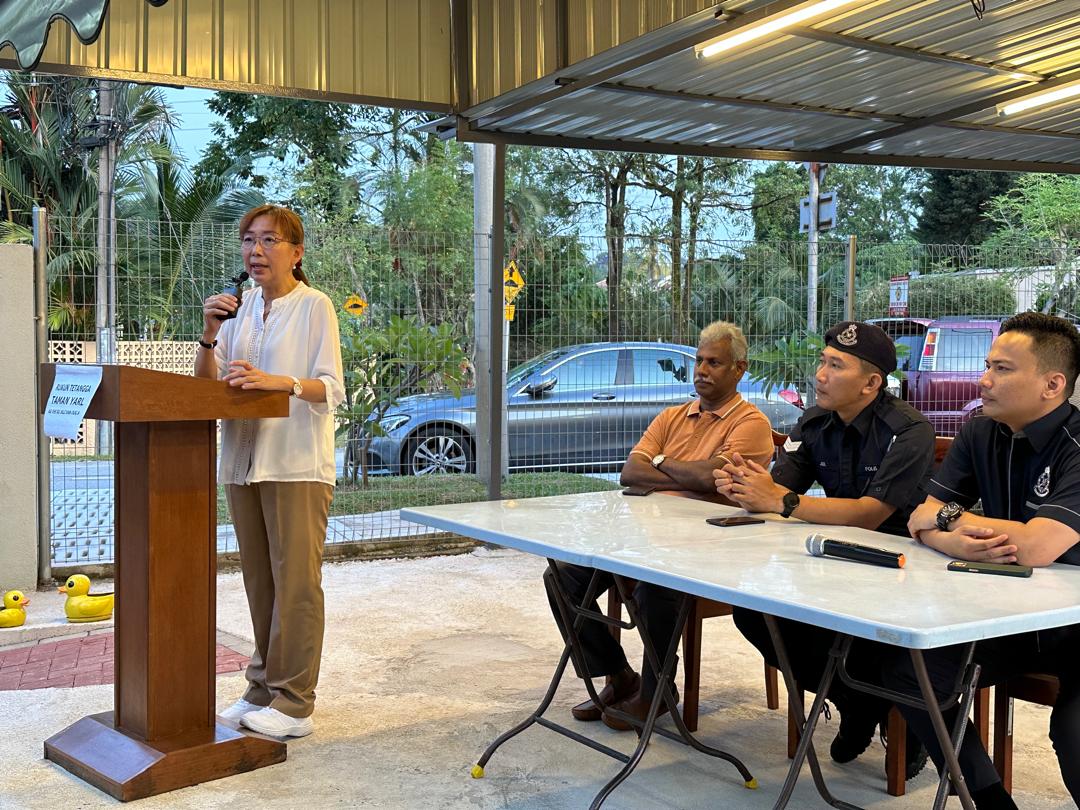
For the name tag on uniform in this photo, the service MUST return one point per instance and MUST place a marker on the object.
(791, 446)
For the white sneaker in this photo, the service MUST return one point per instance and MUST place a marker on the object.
(239, 709)
(275, 724)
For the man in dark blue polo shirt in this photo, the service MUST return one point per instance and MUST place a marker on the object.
(1022, 460)
(871, 452)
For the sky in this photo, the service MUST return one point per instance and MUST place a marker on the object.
(193, 132)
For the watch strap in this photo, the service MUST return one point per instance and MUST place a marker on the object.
(208, 346)
(791, 503)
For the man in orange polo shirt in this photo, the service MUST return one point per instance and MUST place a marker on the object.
(676, 456)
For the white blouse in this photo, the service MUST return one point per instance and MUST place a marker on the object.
(298, 338)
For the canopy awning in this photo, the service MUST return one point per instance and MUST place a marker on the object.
(884, 82)
(25, 25)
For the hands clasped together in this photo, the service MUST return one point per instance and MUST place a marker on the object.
(243, 374)
(963, 541)
(750, 485)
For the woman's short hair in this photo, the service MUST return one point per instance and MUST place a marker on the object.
(723, 330)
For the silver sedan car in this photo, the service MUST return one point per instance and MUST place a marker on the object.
(577, 408)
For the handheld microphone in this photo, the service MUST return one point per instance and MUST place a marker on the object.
(235, 290)
(821, 546)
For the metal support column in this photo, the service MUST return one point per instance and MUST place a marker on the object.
(812, 251)
(41, 351)
(105, 289)
(489, 162)
(849, 290)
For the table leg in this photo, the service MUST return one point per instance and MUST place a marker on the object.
(950, 744)
(664, 695)
(805, 749)
(573, 616)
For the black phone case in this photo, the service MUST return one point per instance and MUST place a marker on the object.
(1001, 569)
(640, 491)
(725, 522)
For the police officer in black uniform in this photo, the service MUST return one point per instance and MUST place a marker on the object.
(1022, 460)
(871, 453)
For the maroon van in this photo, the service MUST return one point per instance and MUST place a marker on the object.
(946, 385)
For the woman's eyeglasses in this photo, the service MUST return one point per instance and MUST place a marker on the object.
(267, 242)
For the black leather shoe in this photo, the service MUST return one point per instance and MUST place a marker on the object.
(915, 756)
(915, 753)
(590, 712)
(855, 734)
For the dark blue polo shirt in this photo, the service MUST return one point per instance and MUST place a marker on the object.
(1034, 472)
(886, 453)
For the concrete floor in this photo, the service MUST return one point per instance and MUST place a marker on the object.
(427, 660)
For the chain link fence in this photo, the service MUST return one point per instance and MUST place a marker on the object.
(601, 337)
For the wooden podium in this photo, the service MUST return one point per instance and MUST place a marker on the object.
(163, 733)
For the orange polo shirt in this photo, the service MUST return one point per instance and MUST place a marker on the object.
(687, 433)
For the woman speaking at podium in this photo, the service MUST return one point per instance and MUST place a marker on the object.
(279, 474)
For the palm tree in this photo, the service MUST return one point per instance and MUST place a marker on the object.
(180, 226)
(49, 160)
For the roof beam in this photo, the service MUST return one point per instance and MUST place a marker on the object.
(464, 133)
(947, 116)
(904, 52)
(723, 24)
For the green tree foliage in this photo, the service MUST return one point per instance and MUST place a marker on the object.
(1042, 207)
(954, 206)
(694, 187)
(283, 129)
(604, 178)
(384, 363)
(49, 161)
(942, 294)
(186, 216)
(874, 203)
(788, 361)
(777, 191)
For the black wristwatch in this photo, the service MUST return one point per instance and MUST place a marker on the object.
(791, 503)
(207, 346)
(947, 514)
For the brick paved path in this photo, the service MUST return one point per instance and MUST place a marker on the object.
(83, 661)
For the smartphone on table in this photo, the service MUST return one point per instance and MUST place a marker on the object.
(1003, 569)
(641, 491)
(735, 520)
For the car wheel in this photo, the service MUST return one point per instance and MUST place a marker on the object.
(439, 450)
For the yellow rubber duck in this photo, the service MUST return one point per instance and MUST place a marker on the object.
(83, 606)
(14, 612)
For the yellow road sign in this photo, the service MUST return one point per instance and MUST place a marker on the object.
(508, 310)
(513, 282)
(355, 305)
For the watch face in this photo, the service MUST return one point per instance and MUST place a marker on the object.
(947, 514)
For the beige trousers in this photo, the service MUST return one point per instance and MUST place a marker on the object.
(281, 530)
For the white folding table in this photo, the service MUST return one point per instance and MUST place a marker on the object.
(664, 540)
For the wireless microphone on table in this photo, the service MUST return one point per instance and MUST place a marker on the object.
(821, 546)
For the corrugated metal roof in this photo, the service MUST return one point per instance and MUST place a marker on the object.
(393, 52)
(910, 82)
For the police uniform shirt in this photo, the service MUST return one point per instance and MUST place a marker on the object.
(1034, 472)
(885, 453)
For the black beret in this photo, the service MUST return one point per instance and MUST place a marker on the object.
(864, 340)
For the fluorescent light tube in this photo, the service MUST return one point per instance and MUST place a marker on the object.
(769, 25)
(1040, 99)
